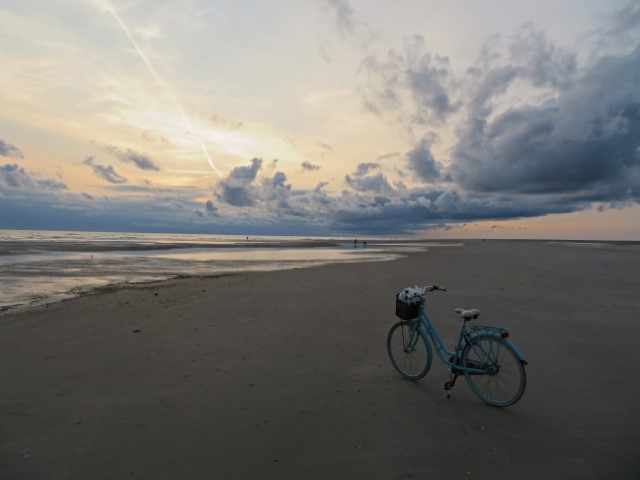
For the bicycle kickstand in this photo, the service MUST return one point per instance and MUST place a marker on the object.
(448, 386)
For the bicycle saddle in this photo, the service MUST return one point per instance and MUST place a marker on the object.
(468, 314)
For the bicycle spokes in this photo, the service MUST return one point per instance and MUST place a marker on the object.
(495, 373)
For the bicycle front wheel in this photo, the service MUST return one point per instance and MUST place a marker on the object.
(409, 351)
(503, 379)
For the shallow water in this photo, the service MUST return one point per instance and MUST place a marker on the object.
(38, 267)
(41, 267)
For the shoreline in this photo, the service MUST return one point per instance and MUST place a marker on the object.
(77, 292)
(46, 273)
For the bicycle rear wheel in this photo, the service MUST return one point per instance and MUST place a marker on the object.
(410, 352)
(504, 381)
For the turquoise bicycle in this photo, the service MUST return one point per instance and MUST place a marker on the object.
(491, 364)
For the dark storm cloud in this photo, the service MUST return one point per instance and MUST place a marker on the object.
(412, 83)
(417, 210)
(143, 162)
(573, 144)
(421, 161)
(106, 172)
(8, 150)
(582, 142)
(14, 176)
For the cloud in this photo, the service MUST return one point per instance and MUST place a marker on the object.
(389, 155)
(421, 161)
(277, 208)
(225, 123)
(211, 209)
(530, 58)
(580, 143)
(268, 195)
(326, 146)
(361, 181)
(8, 150)
(143, 162)
(348, 23)
(14, 176)
(238, 188)
(537, 132)
(364, 168)
(623, 29)
(344, 15)
(107, 173)
(415, 85)
(320, 186)
(62, 209)
(276, 191)
(309, 167)
(539, 60)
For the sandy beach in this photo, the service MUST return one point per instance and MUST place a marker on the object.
(285, 375)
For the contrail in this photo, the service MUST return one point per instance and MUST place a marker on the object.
(107, 6)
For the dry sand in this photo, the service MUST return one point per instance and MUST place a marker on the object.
(285, 375)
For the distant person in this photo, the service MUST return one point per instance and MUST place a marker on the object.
(364, 244)
(355, 243)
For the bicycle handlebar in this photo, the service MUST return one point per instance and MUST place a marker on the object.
(431, 288)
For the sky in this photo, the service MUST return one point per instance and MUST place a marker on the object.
(421, 118)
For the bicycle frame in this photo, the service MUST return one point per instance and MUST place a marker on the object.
(467, 335)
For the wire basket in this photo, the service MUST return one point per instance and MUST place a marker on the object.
(406, 311)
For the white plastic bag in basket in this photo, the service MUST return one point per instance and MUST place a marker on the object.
(411, 295)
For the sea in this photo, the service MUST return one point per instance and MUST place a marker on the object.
(40, 267)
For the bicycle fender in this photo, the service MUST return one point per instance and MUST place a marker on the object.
(516, 351)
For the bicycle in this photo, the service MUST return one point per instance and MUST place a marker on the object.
(491, 364)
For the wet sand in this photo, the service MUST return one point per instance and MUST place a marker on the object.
(285, 374)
